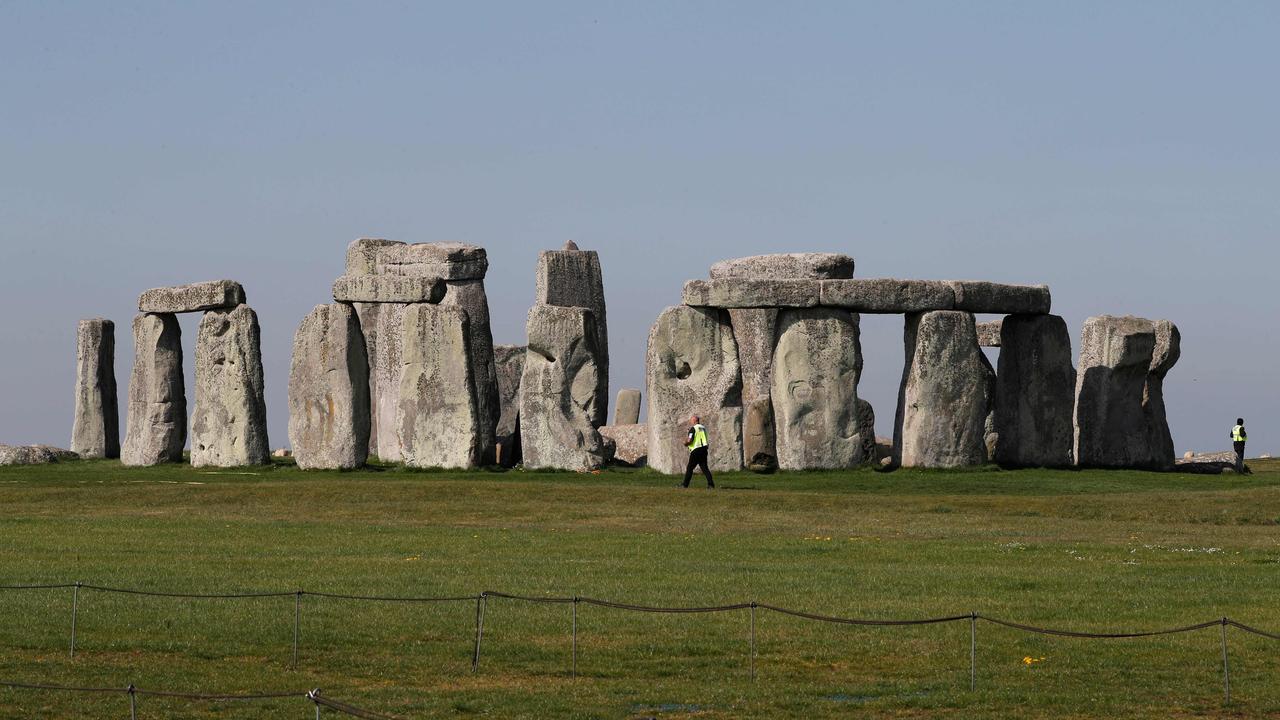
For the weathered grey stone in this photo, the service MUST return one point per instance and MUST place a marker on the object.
(444, 260)
(627, 409)
(691, 367)
(1111, 427)
(631, 443)
(95, 430)
(156, 430)
(1167, 350)
(755, 329)
(946, 393)
(229, 419)
(509, 363)
(815, 389)
(751, 293)
(437, 419)
(572, 278)
(989, 333)
(558, 392)
(196, 297)
(786, 265)
(759, 438)
(1035, 393)
(388, 289)
(867, 430)
(469, 295)
(382, 325)
(888, 295)
(977, 296)
(33, 455)
(329, 391)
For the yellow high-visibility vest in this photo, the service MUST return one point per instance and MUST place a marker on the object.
(1238, 434)
(699, 437)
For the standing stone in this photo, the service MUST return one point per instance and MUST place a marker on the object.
(469, 295)
(1111, 426)
(946, 393)
(989, 332)
(329, 391)
(627, 409)
(383, 327)
(571, 278)
(559, 391)
(692, 369)
(509, 362)
(437, 421)
(815, 389)
(867, 430)
(1167, 351)
(755, 330)
(95, 431)
(157, 427)
(229, 420)
(1035, 395)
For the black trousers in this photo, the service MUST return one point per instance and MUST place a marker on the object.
(698, 458)
(1239, 447)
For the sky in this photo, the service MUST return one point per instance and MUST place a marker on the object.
(1124, 153)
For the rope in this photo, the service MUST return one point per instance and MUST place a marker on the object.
(197, 596)
(313, 695)
(1253, 630)
(856, 621)
(651, 609)
(391, 598)
(37, 587)
(1075, 634)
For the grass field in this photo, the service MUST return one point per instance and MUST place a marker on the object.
(1093, 551)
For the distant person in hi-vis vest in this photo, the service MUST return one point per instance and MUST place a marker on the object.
(1238, 439)
(697, 444)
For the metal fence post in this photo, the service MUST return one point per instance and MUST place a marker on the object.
(314, 696)
(297, 621)
(133, 703)
(753, 641)
(75, 612)
(574, 670)
(1226, 665)
(973, 651)
(481, 601)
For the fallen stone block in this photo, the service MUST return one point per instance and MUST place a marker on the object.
(631, 443)
(196, 297)
(33, 455)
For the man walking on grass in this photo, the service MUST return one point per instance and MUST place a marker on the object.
(697, 444)
(1238, 439)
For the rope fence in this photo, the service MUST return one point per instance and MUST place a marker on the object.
(133, 693)
(481, 602)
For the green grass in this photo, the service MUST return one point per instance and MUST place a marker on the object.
(1094, 551)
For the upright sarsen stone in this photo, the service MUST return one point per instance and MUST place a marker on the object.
(1035, 394)
(329, 391)
(627, 408)
(509, 362)
(560, 390)
(229, 420)
(815, 389)
(1111, 426)
(95, 430)
(692, 369)
(383, 327)
(572, 278)
(1167, 350)
(437, 419)
(156, 430)
(946, 393)
(469, 296)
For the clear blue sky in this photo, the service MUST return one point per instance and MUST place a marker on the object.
(1124, 153)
